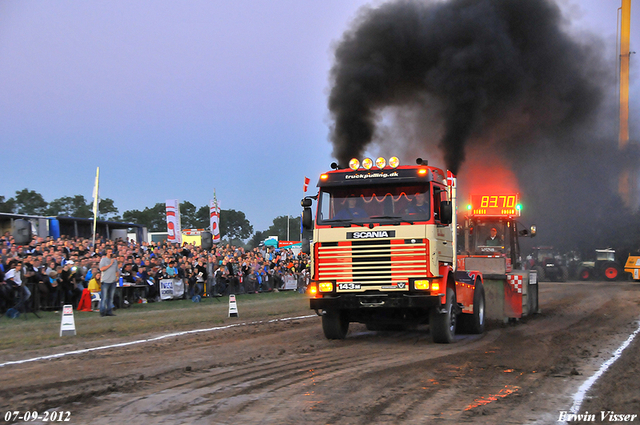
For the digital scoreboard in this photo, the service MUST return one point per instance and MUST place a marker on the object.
(495, 205)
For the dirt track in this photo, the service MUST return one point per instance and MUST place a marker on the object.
(287, 373)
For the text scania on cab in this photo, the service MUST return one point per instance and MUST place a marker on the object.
(383, 251)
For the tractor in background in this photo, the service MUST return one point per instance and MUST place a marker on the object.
(548, 264)
(604, 267)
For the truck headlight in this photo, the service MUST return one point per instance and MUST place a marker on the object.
(422, 285)
(325, 286)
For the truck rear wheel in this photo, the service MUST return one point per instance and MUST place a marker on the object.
(474, 323)
(443, 325)
(335, 324)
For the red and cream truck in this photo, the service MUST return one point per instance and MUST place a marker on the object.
(383, 251)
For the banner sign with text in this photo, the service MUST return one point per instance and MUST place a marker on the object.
(171, 289)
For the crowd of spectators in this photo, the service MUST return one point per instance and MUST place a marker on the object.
(48, 273)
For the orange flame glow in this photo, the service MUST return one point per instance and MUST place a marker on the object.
(485, 172)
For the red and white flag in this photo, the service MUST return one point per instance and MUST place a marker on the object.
(451, 178)
(173, 221)
(306, 184)
(214, 218)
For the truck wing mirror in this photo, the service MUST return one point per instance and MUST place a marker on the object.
(307, 219)
(305, 246)
(530, 233)
(446, 212)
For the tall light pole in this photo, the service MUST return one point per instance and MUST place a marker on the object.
(625, 36)
(628, 183)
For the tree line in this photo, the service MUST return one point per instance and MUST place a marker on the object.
(234, 226)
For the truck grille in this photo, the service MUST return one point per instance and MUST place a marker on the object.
(372, 262)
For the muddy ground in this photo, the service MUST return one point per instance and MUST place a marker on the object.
(286, 372)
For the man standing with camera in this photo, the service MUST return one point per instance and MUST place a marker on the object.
(109, 268)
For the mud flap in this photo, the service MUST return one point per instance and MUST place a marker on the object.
(465, 289)
(513, 291)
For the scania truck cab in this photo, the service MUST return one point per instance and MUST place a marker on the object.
(383, 251)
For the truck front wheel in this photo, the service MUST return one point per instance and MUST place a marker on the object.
(335, 324)
(443, 325)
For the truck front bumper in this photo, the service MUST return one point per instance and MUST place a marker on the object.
(375, 301)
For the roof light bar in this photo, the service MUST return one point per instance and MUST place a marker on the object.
(368, 163)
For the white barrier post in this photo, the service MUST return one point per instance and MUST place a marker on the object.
(233, 307)
(68, 325)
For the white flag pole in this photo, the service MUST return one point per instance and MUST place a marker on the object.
(95, 205)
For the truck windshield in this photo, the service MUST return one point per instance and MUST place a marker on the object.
(374, 204)
(488, 236)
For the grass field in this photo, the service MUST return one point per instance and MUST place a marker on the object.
(30, 332)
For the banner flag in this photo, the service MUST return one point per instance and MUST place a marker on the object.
(173, 221)
(214, 218)
(306, 184)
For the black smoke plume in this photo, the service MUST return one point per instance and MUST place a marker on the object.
(501, 78)
(488, 64)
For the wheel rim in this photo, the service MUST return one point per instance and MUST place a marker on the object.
(611, 272)
(585, 274)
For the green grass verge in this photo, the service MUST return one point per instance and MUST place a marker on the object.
(147, 319)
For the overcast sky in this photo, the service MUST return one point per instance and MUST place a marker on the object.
(173, 99)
